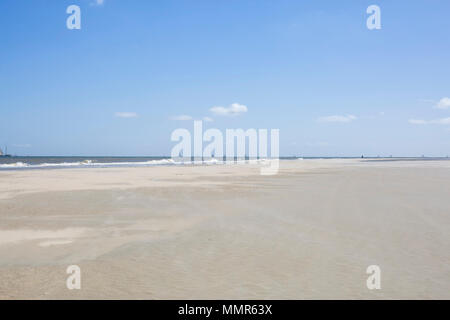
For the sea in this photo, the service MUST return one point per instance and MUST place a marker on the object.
(45, 162)
(55, 162)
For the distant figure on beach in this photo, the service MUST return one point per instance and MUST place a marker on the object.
(362, 156)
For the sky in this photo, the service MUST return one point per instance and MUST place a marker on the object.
(137, 70)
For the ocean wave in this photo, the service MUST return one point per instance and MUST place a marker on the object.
(91, 163)
(87, 163)
(14, 165)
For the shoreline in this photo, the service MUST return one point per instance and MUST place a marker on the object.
(89, 162)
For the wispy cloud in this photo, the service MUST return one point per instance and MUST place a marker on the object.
(444, 103)
(207, 119)
(233, 110)
(126, 114)
(336, 118)
(97, 2)
(181, 118)
(444, 121)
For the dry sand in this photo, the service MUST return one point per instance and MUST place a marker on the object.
(226, 232)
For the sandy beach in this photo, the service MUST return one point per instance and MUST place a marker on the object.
(226, 232)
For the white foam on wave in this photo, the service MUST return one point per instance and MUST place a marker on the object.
(91, 163)
(14, 165)
(87, 163)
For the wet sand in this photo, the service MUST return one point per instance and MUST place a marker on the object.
(226, 232)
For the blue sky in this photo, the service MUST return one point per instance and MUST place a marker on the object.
(310, 68)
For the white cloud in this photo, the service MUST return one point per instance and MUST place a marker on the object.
(182, 118)
(97, 2)
(233, 110)
(444, 103)
(347, 118)
(207, 119)
(126, 114)
(444, 121)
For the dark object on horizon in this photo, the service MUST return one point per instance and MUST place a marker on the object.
(4, 155)
(362, 156)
